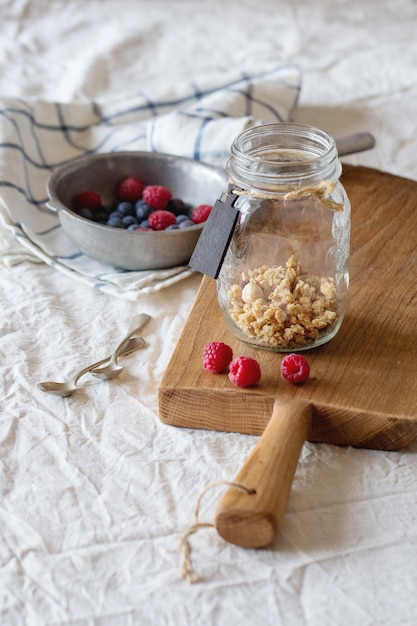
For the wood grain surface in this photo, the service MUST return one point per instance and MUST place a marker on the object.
(363, 383)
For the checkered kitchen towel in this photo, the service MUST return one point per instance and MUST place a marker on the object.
(198, 121)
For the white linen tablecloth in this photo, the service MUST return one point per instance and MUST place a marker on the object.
(94, 491)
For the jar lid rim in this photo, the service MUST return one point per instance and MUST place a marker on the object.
(300, 152)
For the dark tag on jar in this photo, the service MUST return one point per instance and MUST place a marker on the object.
(213, 243)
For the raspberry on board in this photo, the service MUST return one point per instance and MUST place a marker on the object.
(295, 368)
(160, 220)
(130, 189)
(201, 213)
(244, 371)
(157, 196)
(217, 357)
(87, 200)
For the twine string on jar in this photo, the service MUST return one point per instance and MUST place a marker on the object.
(322, 192)
(187, 570)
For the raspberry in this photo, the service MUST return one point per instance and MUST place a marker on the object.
(244, 371)
(217, 356)
(157, 196)
(201, 213)
(295, 368)
(87, 200)
(159, 220)
(130, 189)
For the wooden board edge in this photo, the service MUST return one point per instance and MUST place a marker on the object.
(233, 412)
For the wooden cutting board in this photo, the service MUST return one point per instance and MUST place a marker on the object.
(362, 389)
(363, 383)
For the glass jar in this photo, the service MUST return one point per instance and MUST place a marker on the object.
(284, 280)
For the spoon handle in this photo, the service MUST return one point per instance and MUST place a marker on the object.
(138, 322)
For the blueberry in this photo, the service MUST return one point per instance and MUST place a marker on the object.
(144, 224)
(128, 220)
(116, 222)
(101, 216)
(182, 218)
(172, 227)
(142, 210)
(186, 224)
(114, 214)
(133, 226)
(126, 208)
(176, 206)
(87, 213)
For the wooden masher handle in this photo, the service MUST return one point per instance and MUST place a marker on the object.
(254, 520)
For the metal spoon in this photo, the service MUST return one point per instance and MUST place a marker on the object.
(67, 388)
(128, 344)
(113, 369)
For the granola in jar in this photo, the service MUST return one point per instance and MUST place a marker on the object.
(283, 306)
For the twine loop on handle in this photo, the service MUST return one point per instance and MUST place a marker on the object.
(187, 570)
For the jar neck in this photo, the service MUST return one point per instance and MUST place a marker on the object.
(279, 157)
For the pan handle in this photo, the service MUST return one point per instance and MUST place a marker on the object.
(51, 207)
(357, 142)
(254, 520)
